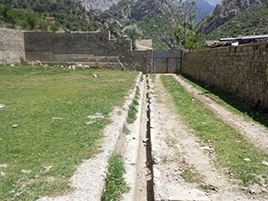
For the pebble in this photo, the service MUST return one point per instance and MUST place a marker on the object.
(251, 191)
(15, 126)
(247, 160)
(94, 75)
(26, 171)
(2, 174)
(145, 140)
(264, 163)
(3, 165)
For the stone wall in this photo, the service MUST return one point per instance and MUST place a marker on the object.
(138, 60)
(11, 46)
(74, 47)
(242, 70)
(89, 48)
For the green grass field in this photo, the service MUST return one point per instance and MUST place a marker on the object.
(33, 95)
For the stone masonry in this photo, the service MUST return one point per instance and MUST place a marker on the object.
(241, 70)
(11, 46)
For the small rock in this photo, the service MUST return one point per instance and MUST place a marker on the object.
(26, 171)
(247, 160)
(94, 75)
(251, 191)
(134, 138)
(192, 99)
(12, 192)
(222, 149)
(15, 126)
(48, 168)
(90, 122)
(12, 65)
(145, 140)
(264, 163)
(263, 190)
(207, 148)
(2, 174)
(3, 165)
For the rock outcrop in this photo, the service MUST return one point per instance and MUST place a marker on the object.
(226, 10)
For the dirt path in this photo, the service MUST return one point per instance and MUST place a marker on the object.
(255, 133)
(175, 150)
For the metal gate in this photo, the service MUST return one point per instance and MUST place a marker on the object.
(167, 61)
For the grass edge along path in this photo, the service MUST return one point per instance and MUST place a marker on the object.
(230, 147)
(227, 100)
(115, 184)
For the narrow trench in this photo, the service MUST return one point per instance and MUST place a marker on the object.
(149, 160)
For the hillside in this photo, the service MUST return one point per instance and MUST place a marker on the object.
(100, 4)
(68, 15)
(151, 16)
(226, 10)
(251, 22)
(203, 9)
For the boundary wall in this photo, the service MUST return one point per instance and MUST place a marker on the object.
(67, 48)
(241, 70)
(11, 46)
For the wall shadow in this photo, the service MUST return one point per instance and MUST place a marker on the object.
(261, 115)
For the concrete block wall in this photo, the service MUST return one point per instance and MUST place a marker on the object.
(138, 60)
(242, 70)
(11, 46)
(73, 47)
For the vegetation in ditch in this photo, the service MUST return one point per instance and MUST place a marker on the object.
(115, 184)
(191, 176)
(230, 147)
(132, 111)
(229, 101)
(126, 130)
(32, 96)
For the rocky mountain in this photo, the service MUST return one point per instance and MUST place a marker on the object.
(226, 10)
(250, 22)
(100, 4)
(203, 9)
(151, 16)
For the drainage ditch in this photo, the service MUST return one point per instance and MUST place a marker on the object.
(149, 159)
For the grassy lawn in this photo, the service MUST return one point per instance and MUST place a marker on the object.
(33, 95)
(230, 147)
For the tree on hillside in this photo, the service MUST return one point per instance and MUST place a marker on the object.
(134, 33)
(186, 31)
(31, 19)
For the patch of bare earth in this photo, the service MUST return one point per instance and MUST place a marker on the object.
(175, 150)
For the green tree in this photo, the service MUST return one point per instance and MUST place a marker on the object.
(11, 16)
(31, 19)
(134, 33)
(186, 32)
(53, 27)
